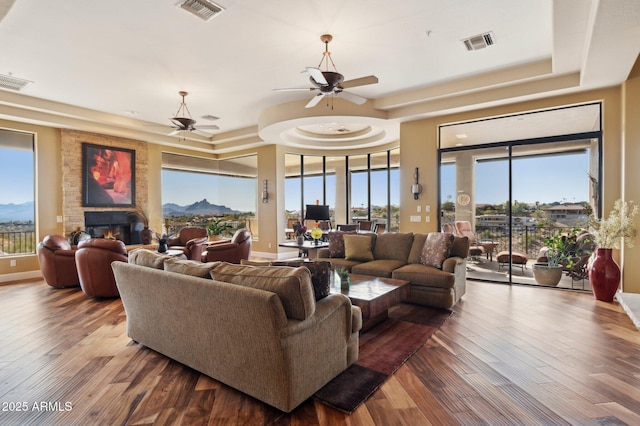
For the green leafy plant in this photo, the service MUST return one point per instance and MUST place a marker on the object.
(559, 249)
(610, 232)
(342, 272)
(217, 227)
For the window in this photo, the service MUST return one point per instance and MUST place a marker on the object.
(17, 206)
(359, 187)
(197, 191)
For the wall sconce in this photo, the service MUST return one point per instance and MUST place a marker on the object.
(416, 188)
(265, 192)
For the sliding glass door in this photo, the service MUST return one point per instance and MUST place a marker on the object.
(513, 194)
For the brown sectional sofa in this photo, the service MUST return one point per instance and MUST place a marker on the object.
(397, 255)
(257, 329)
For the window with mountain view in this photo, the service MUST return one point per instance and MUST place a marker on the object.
(196, 192)
(17, 211)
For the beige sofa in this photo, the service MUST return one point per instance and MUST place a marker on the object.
(398, 255)
(262, 332)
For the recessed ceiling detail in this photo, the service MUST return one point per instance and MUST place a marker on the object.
(347, 126)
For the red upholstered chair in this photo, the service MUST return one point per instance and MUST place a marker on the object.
(93, 259)
(192, 240)
(233, 252)
(58, 262)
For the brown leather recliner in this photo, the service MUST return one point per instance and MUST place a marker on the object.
(93, 260)
(58, 262)
(192, 240)
(233, 252)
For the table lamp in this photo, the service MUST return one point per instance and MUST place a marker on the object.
(316, 212)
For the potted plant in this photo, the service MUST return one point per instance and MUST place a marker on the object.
(609, 233)
(559, 256)
(216, 229)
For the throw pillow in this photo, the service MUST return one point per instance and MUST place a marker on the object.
(190, 267)
(320, 277)
(148, 258)
(436, 249)
(336, 244)
(358, 247)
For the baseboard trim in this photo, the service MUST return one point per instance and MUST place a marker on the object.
(20, 276)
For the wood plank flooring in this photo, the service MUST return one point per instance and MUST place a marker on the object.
(508, 355)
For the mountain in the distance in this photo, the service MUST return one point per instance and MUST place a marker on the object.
(16, 212)
(198, 208)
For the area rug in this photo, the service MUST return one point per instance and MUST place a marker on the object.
(383, 349)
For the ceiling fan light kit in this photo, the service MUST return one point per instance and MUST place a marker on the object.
(332, 82)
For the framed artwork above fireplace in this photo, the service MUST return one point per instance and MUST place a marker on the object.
(108, 176)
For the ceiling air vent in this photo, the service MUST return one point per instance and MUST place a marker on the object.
(203, 9)
(479, 42)
(12, 83)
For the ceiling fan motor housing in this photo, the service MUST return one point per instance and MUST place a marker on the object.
(333, 79)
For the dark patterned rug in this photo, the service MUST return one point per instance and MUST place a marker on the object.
(383, 349)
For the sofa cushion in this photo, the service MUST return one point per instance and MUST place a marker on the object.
(436, 249)
(358, 247)
(292, 285)
(190, 267)
(460, 247)
(378, 268)
(416, 248)
(320, 278)
(424, 276)
(148, 258)
(393, 246)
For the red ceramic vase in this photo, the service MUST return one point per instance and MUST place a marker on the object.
(604, 275)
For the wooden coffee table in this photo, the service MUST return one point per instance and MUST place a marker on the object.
(374, 296)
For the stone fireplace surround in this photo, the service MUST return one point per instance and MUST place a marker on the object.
(73, 211)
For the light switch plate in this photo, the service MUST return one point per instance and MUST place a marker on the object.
(427, 218)
(415, 218)
(418, 208)
(427, 208)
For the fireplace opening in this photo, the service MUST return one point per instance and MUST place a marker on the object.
(119, 225)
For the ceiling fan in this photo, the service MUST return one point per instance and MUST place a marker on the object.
(182, 122)
(332, 82)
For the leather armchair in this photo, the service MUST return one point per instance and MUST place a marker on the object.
(233, 252)
(58, 262)
(192, 240)
(93, 260)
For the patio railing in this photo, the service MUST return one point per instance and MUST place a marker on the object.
(526, 239)
(17, 242)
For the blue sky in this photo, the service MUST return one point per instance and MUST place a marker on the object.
(562, 178)
(16, 175)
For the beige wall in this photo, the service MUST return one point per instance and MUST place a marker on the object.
(631, 172)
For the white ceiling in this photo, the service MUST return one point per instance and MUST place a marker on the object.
(116, 66)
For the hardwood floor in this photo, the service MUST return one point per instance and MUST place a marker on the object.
(508, 355)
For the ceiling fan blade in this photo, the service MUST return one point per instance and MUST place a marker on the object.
(201, 133)
(209, 126)
(314, 101)
(317, 76)
(362, 81)
(352, 98)
(296, 89)
(174, 133)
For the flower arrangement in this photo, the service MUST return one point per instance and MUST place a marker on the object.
(609, 232)
(301, 230)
